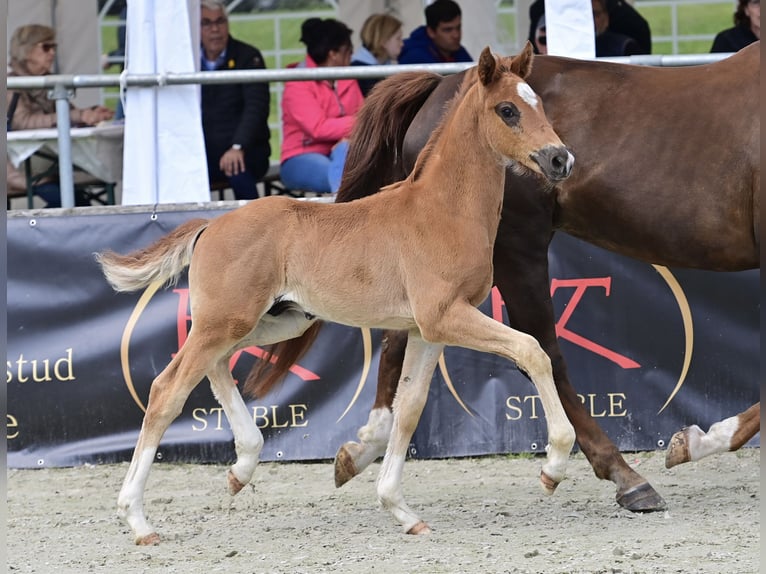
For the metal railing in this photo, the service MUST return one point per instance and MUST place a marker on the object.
(61, 88)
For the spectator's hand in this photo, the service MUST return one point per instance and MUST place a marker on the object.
(96, 114)
(232, 162)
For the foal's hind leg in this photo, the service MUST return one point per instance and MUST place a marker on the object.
(353, 457)
(419, 363)
(248, 440)
(167, 396)
(466, 326)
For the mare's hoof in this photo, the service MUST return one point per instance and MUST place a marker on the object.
(549, 485)
(152, 539)
(678, 450)
(420, 528)
(234, 484)
(345, 466)
(642, 498)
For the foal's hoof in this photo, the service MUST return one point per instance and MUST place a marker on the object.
(641, 498)
(345, 465)
(152, 539)
(678, 449)
(420, 528)
(549, 485)
(234, 484)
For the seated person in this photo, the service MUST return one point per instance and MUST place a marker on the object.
(381, 44)
(623, 19)
(32, 53)
(609, 42)
(235, 117)
(317, 116)
(439, 40)
(746, 30)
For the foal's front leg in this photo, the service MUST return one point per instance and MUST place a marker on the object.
(465, 326)
(419, 363)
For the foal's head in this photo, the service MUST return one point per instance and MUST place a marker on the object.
(513, 118)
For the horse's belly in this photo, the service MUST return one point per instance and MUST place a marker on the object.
(355, 310)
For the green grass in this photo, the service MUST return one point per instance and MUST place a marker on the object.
(692, 20)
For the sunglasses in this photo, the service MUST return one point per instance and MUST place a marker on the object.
(48, 46)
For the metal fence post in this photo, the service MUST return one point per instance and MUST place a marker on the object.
(61, 94)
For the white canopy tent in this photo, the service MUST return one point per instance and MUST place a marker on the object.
(164, 155)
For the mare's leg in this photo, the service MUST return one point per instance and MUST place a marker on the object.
(466, 326)
(692, 443)
(521, 275)
(248, 440)
(353, 457)
(419, 363)
(167, 396)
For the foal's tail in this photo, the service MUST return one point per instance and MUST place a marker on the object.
(374, 157)
(162, 261)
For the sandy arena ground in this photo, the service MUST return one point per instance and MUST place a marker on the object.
(488, 515)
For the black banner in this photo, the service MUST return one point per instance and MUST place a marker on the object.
(649, 350)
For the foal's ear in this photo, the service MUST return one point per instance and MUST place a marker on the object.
(487, 66)
(522, 64)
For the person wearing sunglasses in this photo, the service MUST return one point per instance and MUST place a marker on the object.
(746, 30)
(32, 53)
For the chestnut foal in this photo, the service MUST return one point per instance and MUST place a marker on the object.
(266, 272)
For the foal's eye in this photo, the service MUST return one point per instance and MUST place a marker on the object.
(508, 112)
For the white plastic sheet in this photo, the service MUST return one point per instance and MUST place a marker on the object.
(164, 157)
(569, 28)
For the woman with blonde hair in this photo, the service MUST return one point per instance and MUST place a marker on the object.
(32, 53)
(381, 44)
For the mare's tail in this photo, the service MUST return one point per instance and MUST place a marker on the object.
(374, 157)
(162, 261)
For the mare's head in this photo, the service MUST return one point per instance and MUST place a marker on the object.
(513, 118)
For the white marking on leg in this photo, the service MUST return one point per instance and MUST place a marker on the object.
(716, 440)
(130, 502)
(374, 437)
(248, 440)
(420, 360)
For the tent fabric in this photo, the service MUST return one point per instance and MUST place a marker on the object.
(164, 155)
(569, 28)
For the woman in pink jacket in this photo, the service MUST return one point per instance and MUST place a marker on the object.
(317, 116)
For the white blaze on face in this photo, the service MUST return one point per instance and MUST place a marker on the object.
(527, 94)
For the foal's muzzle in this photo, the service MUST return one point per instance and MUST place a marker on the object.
(555, 162)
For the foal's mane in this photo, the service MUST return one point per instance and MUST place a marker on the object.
(450, 108)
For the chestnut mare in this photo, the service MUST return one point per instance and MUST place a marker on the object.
(268, 271)
(668, 172)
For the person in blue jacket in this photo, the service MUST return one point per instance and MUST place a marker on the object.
(439, 40)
